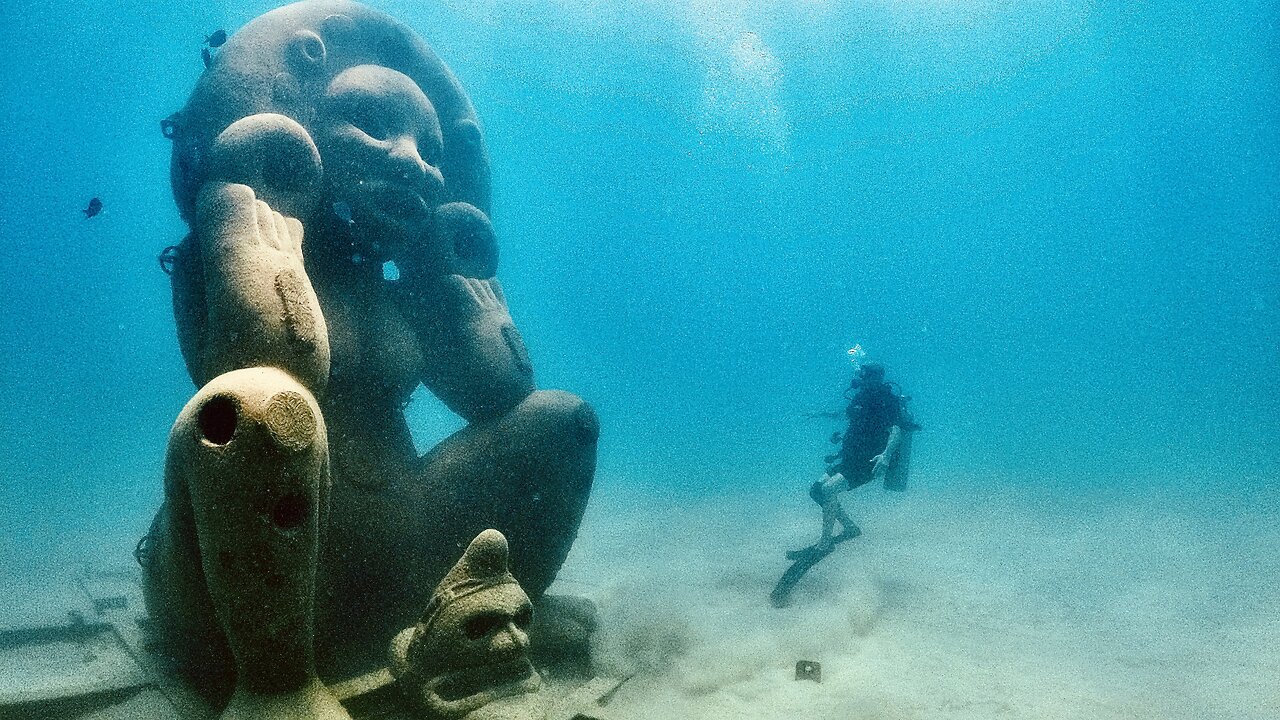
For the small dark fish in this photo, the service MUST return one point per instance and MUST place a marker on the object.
(216, 39)
(343, 212)
(95, 207)
(206, 56)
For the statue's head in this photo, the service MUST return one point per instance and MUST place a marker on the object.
(379, 137)
(398, 141)
(471, 646)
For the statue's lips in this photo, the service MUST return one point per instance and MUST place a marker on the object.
(395, 198)
(502, 678)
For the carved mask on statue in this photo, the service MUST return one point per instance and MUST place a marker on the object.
(471, 646)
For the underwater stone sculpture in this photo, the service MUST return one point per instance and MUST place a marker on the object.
(471, 646)
(336, 182)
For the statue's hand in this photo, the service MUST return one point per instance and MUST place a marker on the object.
(262, 308)
(275, 156)
(476, 361)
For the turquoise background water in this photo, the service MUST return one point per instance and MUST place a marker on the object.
(1056, 222)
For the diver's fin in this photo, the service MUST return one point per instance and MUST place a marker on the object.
(804, 560)
(848, 534)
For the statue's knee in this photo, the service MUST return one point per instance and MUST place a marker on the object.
(562, 419)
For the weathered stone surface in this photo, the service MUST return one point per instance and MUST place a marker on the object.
(325, 141)
(470, 648)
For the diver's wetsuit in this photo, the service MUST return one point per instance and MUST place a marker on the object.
(872, 413)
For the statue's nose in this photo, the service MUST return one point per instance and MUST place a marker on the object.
(510, 639)
(408, 162)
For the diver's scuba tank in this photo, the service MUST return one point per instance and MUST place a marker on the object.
(895, 479)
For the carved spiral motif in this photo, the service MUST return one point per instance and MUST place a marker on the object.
(307, 52)
(290, 421)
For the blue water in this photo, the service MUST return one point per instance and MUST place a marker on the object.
(1055, 221)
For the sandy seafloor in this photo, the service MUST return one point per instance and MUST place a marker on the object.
(965, 597)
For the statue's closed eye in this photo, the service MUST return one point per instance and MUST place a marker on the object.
(370, 124)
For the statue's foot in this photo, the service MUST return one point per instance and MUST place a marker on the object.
(311, 702)
(259, 296)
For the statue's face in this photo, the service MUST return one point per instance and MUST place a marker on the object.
(380, 142)
(479, 650)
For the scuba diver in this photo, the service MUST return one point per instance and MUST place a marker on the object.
(875, 446)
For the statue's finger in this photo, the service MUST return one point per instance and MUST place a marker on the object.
(225, 214)
(266, 225)
(485, 294)
(498, 296)
(474, 290)
(295, 233)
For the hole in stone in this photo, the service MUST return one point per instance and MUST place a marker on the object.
(390, 271)
(312, 48)
(290, 512)
(429, 420)
(218, 420)
(306, 52)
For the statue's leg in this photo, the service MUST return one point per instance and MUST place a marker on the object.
(527, 474)
(250, 449)
(184, 626)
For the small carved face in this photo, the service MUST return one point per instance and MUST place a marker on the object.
(477, 650)
(380, 142)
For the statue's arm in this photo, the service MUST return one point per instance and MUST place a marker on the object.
(259, 305)
(261, 308)
(475, 360)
